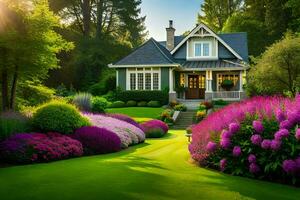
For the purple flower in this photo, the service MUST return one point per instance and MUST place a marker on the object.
(256, 139)
(280, 116)
(282, 133)
(286, 124)
(297, 134)
(225, 143)
(275, 145)
(236, 152)
(293, 117)
(266, 144)
(289, 166)
(234, 127)
(211, 146)
(226, 134)
(223, 164)
(252, 158)
(254, 168)
(258, 127)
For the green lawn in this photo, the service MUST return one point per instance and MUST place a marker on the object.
(137, 112)
(158, 169)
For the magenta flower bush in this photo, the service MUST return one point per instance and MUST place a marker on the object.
(155, 128)
(37, 147)
(257, 138)
(97, 140)
(128, 133)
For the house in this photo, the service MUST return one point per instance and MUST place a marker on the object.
(201, 65)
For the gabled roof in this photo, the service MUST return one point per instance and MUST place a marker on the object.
(177, 40)
(202, 25)
(150, 53)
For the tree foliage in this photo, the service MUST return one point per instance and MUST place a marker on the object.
(278, 70)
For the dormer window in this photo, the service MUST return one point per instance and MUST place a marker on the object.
(202, 49)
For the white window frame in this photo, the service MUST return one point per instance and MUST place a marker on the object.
(202, 49)
(144, 70)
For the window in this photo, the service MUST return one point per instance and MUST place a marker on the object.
(143, 78)
(233, 77)
(202, 49)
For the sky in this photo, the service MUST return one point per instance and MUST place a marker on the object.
(159, 12)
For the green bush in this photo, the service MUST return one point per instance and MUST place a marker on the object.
(12, 123)
(58, 117)
(99, 104)
(180, 107)
(117, 104)
(97, 89)
(131, 103)
(155, 133)
(104, 86)
(32, 94)
(154, 104)
(142, 104)
(160, 96)
(83, 101)
(220, 102)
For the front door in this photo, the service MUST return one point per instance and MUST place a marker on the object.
(196, 87)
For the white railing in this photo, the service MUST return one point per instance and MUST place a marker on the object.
(227, 95)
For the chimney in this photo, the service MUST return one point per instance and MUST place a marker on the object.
(170, 36)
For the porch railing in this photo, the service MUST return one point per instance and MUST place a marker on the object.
(229, 95)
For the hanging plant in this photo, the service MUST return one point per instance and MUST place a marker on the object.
(227, 84)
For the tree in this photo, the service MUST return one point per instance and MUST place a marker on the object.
(278, 70)
(216, 12)
(29, 45)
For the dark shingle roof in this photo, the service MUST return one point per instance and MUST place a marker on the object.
(211, 64)
(177, 40)
(150, 53)
(238, 42)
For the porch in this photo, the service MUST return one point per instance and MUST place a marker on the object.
(207, 85)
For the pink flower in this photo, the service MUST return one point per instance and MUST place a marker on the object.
(297, 134)
(293, 117)
(289, 166)
(256, 139)
(286, 124)
(211, 146)
(282, 133)
(234, 127)
(225, 143)
(236, 152)
(252, 158)
(275, 145)
(226, 134)
(258, 127)
(266, 144)
(254, 168)
(223, 164)
(280, 116)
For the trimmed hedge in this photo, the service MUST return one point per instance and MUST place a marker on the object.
(142, 104)
(117, 104)
(154, 104)
(160, 96)
(131, 103)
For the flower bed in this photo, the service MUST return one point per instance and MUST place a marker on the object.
(128, 133)
(155, 128)
(257, 138)
(37, 147)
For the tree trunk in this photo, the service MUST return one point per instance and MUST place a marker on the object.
(5, 100)
(99, 18)
(86, 13)
(13, 90)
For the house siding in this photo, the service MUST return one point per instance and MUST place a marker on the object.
(164, 78)
(180, 53)
(122, 78)
(192, 42)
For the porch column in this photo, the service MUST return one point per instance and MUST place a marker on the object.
(208, 91)
(172, 93)
(241, 81)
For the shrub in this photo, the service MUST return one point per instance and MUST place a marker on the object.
(99, 104)
(125, 118)
(167, 116)
(131, 103)
(97, 89)
(154, 104)
(255, 138)
(83, 101)
(152, 127)
(155, 133)
(172, 104)
(208, 105)
(220, 102)
(117, 104)
(11, 123)
(97, 140)
(142, 104)
(160, 96)
(37, 147)
(58, 117)
(128, 133)
(180, 107)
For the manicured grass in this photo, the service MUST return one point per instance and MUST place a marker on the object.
(157, 169)
(138, 112)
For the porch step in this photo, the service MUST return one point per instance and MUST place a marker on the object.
(191, 104)
(184, 120)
